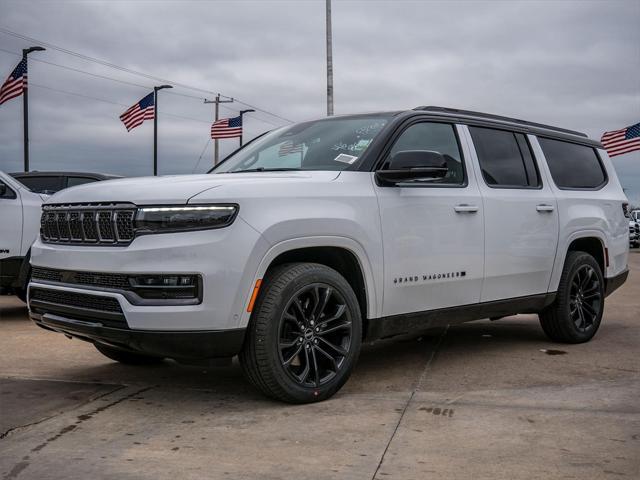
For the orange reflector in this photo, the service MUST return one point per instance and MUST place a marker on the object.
(254, 295)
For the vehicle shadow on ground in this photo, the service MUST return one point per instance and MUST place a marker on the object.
(14, 312)
(388, 366)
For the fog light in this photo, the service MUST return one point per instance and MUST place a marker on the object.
(166, 286)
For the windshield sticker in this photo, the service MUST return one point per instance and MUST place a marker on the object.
(371, 128)
(344, 158)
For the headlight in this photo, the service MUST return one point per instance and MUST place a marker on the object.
(184, 218)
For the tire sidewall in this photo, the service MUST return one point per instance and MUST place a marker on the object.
(332, 278)
(578, 262)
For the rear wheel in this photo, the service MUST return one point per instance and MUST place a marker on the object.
(125, 356)
(575, 315)
(305, 334)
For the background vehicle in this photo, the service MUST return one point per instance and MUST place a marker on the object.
(20, 211)
(319, 235)
(634, 234)
(52, 182)
(20, 208)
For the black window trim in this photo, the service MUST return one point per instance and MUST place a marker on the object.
(540, 185)
(404, 126)
(604, 183)
(61, 180)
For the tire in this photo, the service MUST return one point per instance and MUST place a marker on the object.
(21, 293)
(125, 356)
(302, 309)
(576, 313)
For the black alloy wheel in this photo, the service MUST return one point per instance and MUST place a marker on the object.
(576, 313)
(585, 298)
(304, 335)
(314, 335)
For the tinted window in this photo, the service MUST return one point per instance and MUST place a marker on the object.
(572, 165)
(5, 191)
(42, 184)
(73, 181)
(505, 158)
(334, 143)
(437, 137)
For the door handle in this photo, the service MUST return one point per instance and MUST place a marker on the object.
(545, 208)
(464, 208)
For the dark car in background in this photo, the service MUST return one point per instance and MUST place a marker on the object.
(52, 182)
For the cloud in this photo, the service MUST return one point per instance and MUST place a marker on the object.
(573, 64)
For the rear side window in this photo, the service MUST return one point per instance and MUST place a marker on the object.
(42, 184)
(73, 181)
(573, 165)
(505, 158)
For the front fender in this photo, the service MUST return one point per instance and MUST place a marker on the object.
(372, 271)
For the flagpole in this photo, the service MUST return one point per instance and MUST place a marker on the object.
(25, 106)
(329, 44)
(155, 127)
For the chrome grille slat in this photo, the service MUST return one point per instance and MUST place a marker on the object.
(88, 224)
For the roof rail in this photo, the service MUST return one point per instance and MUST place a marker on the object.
(490, 116)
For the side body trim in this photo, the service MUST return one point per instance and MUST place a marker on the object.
(409, 323)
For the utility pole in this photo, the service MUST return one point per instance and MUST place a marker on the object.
(25, 105)
(329, 61)
(242, 112)
(155, 127)
(216, 110)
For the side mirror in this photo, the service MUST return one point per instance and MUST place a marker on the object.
(3, 189)
(412, 165)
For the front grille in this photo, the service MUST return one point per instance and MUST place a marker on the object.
(90, 224)
(92, 279)
(72, 299)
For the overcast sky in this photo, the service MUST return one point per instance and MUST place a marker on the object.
(572, 64)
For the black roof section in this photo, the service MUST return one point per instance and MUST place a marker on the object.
(506, 121)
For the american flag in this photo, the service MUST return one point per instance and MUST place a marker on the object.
(288, 147)
(227, 128)
(622, 141)
(143, 110)
(15, 84)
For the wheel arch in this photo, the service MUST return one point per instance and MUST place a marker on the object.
(592, 242)
(344, 255)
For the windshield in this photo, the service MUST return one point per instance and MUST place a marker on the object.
(328, 144)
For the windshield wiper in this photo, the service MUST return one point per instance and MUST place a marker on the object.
(262, 169)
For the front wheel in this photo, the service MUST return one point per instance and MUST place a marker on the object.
(305, 334)
(576, 313)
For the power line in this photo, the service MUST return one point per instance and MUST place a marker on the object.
(75, 94)
(31, 84)
(146, 87)
(201, 155)
(133, 72)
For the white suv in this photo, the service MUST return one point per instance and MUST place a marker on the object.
(317, 236)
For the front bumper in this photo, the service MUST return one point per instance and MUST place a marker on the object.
(193, 345)
(225, 259)
(613, 283)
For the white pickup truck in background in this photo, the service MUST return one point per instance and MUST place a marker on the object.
(20, 211)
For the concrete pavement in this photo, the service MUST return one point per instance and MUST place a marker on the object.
(483, 400)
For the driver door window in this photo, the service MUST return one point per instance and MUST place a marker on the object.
(437, 137)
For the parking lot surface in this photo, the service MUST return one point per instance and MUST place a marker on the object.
(481, 400)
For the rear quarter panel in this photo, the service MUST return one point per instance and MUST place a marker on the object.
(590, 213)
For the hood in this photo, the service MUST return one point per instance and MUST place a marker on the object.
(178, 189)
